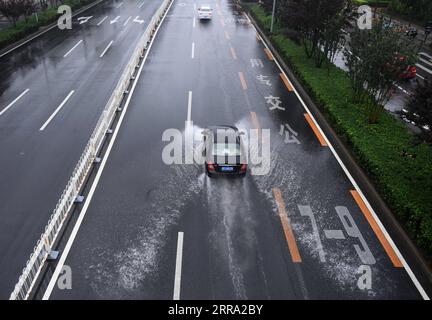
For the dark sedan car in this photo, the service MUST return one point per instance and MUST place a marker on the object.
(412, 33)
(224, 152)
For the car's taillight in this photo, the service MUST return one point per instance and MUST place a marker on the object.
(210, 166)
(243, 167)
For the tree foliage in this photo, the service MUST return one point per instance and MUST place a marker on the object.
(13, 9)
(376, 59)
(414, 9)
(318, 23)
(267, 4)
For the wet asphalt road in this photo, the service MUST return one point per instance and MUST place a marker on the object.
(35, 164)
(238, 241)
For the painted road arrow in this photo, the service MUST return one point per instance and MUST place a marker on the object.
(138, 21)
(115, 20)
(84, 19)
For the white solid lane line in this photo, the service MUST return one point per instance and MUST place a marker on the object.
(56, 110)
(106, 49)
(193, 50)
(67, 53)
(189, 110)
(87, 202)
(13, 102)
(140, 6)
(100, 22)
(178, 268)
(127, 20)
(354, 183)
(193, 22)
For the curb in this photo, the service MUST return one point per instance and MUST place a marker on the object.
(404, 242)
(41, 31)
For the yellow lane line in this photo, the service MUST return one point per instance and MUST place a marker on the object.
(386, 245)
(243, 81)
(269, 55)
(255, 121)
(233, 53)
(289, 234)
(285, 81)
(315, 130)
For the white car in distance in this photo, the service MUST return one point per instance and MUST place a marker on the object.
(205, 12)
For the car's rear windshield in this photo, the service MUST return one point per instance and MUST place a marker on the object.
(226, 149)
(205, 9)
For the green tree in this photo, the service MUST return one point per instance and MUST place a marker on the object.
(11, 10)
(318, 24)
(27, 7)
(376, 59)
(332, 38)
(413, 9)
(267, 4)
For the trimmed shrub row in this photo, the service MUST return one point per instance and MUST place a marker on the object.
(373, 3)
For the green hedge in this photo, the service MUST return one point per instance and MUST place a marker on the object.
(404, 182)
(373, 3)
(23, 28)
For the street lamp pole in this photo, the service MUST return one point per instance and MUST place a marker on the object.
(273, 13)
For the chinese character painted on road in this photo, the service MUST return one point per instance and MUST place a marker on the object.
(275, 103)
(264, 80)
(256, 63)
(290, 134)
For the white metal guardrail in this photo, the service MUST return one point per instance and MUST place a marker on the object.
(47, 239)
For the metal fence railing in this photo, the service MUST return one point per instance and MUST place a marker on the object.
(48, 238)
